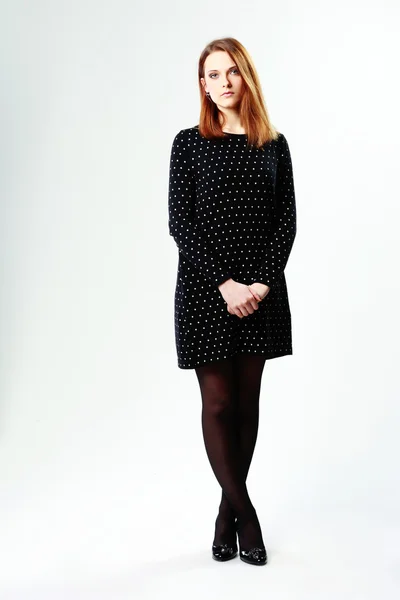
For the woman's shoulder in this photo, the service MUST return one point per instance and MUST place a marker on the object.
(188, 132)
(281, 139)
(185, 139)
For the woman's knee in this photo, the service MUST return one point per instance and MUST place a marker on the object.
(218, 405)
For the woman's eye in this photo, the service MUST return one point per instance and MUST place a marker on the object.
(212, 74)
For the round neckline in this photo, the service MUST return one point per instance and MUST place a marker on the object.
(230, 133)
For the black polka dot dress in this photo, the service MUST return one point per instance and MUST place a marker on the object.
(232, 214)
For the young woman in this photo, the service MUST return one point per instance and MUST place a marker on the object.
(232, 214)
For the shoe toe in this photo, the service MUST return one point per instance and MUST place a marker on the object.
(255, 556)
(223, 551)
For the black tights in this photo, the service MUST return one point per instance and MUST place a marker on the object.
(230, 392)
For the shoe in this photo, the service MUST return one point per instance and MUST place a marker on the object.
(254, 556)
(223, 552)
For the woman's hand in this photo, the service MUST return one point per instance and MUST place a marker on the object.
(240, 299)
(260, 288)
(239, 303)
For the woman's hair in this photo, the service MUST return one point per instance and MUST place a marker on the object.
(253, 112)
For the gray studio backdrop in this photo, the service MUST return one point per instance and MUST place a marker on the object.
(101, 451)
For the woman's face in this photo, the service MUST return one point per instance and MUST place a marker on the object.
(221, 75)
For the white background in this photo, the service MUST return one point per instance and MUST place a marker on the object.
(106, 490)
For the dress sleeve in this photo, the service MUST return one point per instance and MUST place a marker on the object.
(189, 238)
(284, 227)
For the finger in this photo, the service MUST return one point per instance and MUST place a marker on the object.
(254, 303)
(255, 294)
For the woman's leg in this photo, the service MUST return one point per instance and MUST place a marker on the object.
(217, 384)
(248, 370)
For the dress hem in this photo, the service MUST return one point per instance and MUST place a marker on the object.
(268, 356)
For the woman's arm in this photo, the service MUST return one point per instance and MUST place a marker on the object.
(284, 227)
(181, 198)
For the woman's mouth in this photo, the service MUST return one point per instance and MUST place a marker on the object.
(228, 94)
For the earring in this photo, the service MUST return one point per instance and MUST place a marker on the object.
(208, 94)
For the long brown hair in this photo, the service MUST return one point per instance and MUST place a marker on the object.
(253, 112)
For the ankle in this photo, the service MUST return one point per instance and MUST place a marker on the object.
(248, 515)
(249, 531)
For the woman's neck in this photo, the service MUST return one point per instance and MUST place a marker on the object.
(232, 124)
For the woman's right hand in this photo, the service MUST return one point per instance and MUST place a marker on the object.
(239, 298)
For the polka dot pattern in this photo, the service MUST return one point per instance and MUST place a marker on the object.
(232, 214)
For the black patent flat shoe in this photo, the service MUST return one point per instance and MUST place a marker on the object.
(254, 556)
(223, 552)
